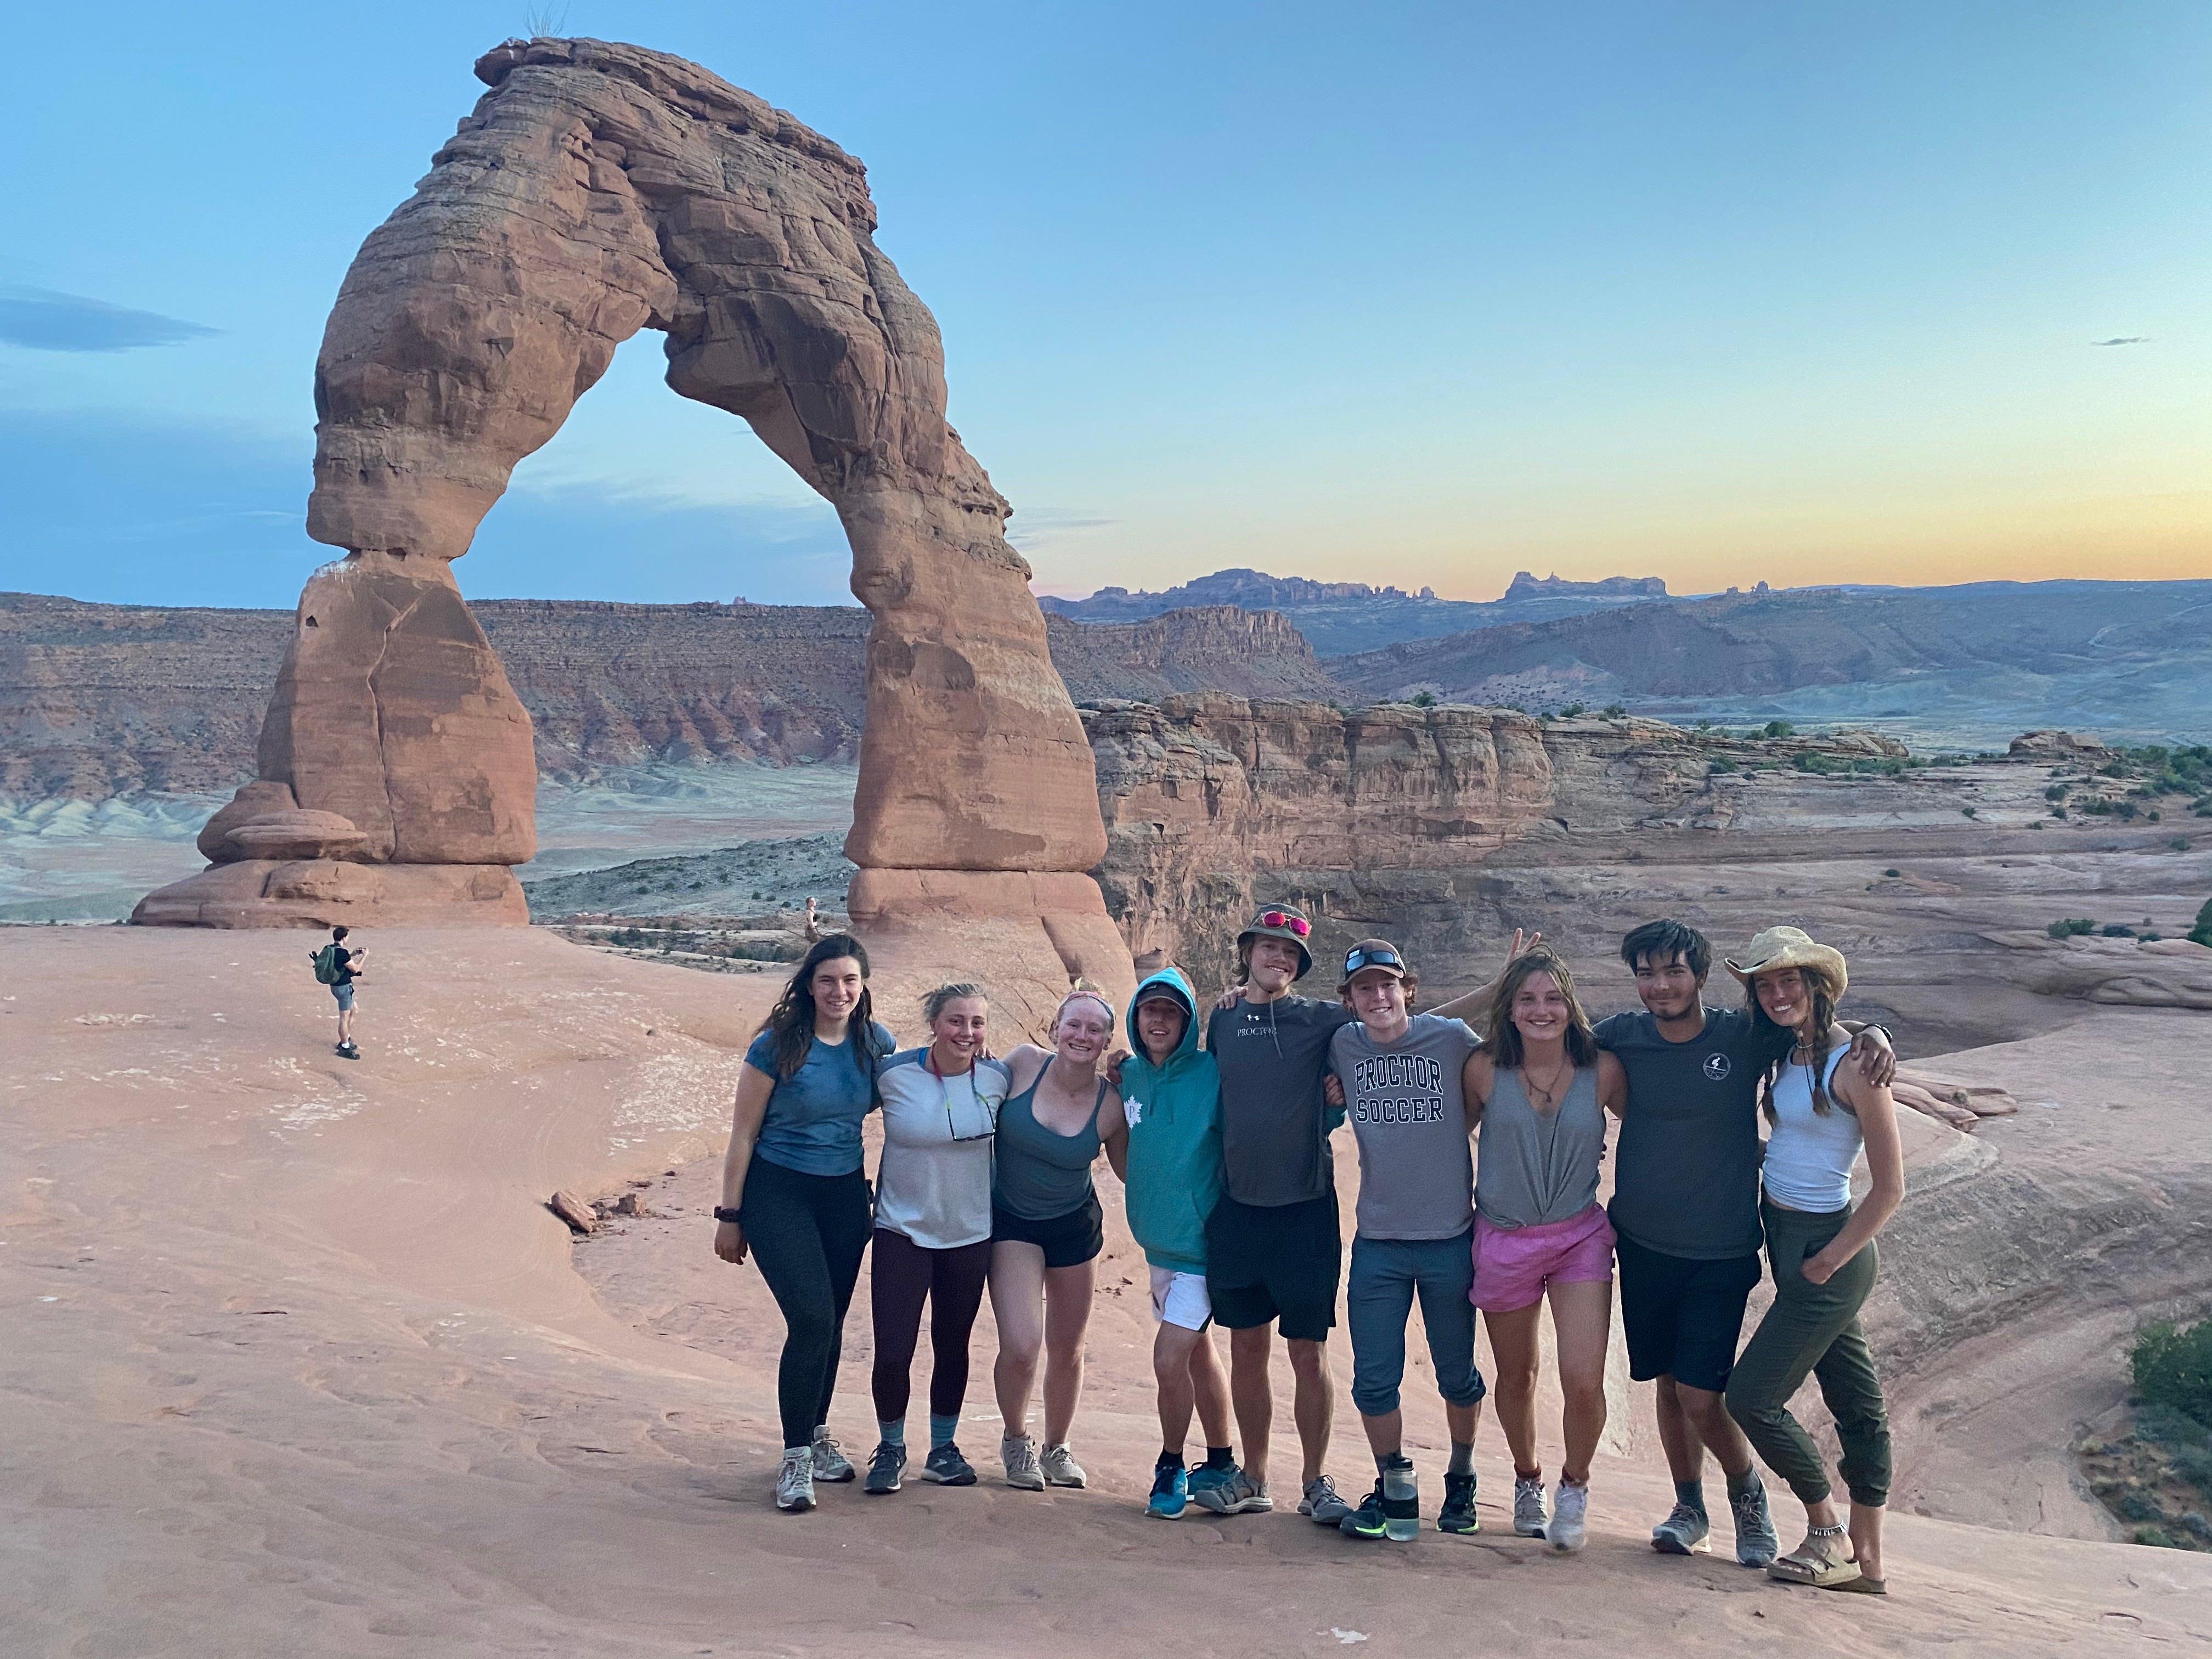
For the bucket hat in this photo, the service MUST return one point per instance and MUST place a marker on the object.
(1791, 947)
(1281, 921)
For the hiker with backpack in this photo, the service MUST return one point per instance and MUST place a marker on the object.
(338, 968)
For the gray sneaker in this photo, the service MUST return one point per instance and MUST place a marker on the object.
(794, 1482)
(1019, 1454)
(1684, 1532)
(886, 1469)
(1570, 1528)
(947, 1468)
(1238, 1494)
(1060, 1469)
(1756, 1544)
(1323, 1503)
(1528, 1517)
(830, 1463)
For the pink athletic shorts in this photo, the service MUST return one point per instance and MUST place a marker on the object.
(1512, 1265)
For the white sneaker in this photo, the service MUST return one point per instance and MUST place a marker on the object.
(1529, 1518)
(831, 1462)
(1570, 1528)
(1019, 1454)
(794, 1482)
(1060, 1469)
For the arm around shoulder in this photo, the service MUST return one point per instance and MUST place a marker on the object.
(1612, 1082)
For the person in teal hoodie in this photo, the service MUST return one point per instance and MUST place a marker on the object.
(1171, 1097)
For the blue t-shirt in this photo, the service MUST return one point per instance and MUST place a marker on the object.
(813, 1121)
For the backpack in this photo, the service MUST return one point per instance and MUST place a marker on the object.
(326, 965)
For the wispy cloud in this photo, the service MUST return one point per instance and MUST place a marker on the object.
(1034, 527)
(2124, 339)
(44, 319)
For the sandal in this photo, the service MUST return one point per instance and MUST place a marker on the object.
(1811, 1564)
(1863, 1585)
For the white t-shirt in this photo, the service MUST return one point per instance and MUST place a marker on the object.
(933, 1183)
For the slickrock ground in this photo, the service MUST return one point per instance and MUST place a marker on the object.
(294, 1361)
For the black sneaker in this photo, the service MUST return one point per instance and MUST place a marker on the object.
(886, 1469)
(348, 1051)
(1458, 1513)
(1367, 1521)
(947, 1468)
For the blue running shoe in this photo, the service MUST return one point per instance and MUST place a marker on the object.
(1171, 1490)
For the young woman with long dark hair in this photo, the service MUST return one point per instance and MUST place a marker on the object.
(793, 1194)
(1539, 1088)
(1820, 1250)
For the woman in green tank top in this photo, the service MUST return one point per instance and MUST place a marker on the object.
(1046, 1231)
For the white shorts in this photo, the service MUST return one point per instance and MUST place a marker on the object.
(1181, 1299)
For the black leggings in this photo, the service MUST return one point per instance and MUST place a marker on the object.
(808, 1233)
(952, 1281)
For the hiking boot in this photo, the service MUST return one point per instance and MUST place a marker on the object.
(1018, 1453)
(348, 1051)
(1570, 1528)
(1060, 1469)
(947, 1468)
(1458, 1513)
(1367, 1521)
(1323, 1503)
(886, 1469)
(1756, 1544)
(1170, 1491)
(794, 1482)
(1685, 1532)
(1231, 1491)
(830, 1463)
(1528, 1517)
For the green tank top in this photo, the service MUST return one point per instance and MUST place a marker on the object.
(1041, 1175)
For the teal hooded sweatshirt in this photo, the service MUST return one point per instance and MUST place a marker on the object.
(1174, 1138)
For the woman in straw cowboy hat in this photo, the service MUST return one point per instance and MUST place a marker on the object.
(1821, 1252)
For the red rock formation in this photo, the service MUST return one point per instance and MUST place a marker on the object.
(595, 191)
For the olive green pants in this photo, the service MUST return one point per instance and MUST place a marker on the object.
(1814, 1330)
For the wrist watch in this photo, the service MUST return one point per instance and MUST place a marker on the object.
(723, 1213)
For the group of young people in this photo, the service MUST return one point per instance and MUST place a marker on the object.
(1479, 1148)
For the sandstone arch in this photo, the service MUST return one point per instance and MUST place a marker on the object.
(595, 191)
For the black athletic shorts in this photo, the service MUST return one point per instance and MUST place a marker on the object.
(1275, 1261)
(1068, 1241)
(1682, 1318)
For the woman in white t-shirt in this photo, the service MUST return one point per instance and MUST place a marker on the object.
(933, 1240)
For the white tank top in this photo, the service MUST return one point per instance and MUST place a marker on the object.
(1809, 1154)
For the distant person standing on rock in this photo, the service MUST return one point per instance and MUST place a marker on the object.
(792, 1191)
(1046, 1230)
(1686, 1213)
(1820, 1249)
(338, 967)
(1404, 1077)
(932, 1241)
(1171, 1099)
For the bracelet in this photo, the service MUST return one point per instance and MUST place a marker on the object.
(723, 1213)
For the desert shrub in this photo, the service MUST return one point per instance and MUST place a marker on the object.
(1423, 700)
(1966, 812)
(1811, 760)
(2162, 1426)
(2126, 809)
(2172, 1366)
(2071, 928)
(2180, 844)
(2156, 1537)
(1615, 711)
(1778, 729)
(2057, 792)
(2202, 932)
(1892, 873)
(1723, 764)
(2116, 930)
(2194, 1465)
(2058, 811)
(1572, 711)
(2135, 1507)
(2096, 806)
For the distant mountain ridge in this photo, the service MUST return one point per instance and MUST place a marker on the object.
(1339, 618)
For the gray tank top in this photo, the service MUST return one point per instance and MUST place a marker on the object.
(1041, 1175)
(1534, 1167)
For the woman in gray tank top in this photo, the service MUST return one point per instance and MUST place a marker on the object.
(1046, 1231)
(1538, 1091)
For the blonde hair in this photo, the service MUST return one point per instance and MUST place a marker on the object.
(1082, 992)
(944, 995)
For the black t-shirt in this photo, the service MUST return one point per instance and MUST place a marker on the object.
(1685, 1175)
(1275, 1121)
(344, 958)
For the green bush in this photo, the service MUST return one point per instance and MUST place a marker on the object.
(1966, 812)
(2202, 932)
(2057, 792)
(1423, 700)
(2162, 1426)
(1723, 764)
(2071, 928)
(2156, 1537)
(1615, 711)
(1779, 729)
(2172, 1367)
(1892, 873)
(1573, 711)
(2194, 1465)
(1810, 760)
(2116, 930)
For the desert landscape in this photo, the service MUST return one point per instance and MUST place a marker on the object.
(425, 1349)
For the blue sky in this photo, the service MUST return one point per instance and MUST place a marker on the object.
(1398, 293)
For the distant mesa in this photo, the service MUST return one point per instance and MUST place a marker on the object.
(1525, 586)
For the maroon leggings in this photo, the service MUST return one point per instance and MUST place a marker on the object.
(904, 1274)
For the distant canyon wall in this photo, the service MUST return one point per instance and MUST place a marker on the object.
(98, 700)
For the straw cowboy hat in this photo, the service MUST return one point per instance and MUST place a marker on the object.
(1791, 947)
